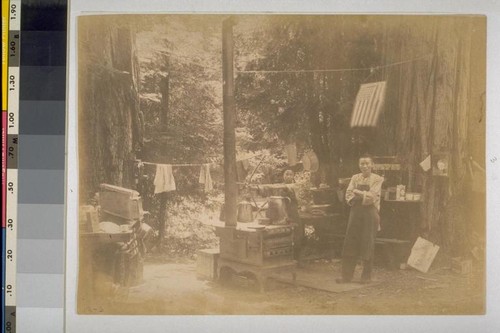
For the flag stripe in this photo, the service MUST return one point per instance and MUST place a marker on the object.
(371, 114)
(380, 102)
(365, 112)
(374, 106)
(368, 104)
(368, 111)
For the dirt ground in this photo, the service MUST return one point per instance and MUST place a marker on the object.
(171, 287)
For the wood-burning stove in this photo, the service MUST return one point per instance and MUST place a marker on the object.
(256, 249)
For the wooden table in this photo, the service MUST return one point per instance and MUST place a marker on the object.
(326, 227)
(399, 222)
(400, 219)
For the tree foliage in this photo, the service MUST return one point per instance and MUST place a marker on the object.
(292, 95)
(296, 82)
(182, 121)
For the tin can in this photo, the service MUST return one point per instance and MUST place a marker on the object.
(400, 192)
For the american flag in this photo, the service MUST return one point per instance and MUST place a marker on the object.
(368, 104)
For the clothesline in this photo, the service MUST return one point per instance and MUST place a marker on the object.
(175, 165)
(164, 180)
(373, 68)
(195, 164)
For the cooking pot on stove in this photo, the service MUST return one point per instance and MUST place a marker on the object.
(245, 212)
(277, 209)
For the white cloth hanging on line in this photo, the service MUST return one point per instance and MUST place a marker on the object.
(205, 177)
(164, 179)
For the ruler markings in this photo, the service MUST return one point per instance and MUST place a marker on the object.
(14, 57)
(6, 323)
(15, 15)
(10, 319)
(12, 156)
(12, 181)
(34, 174)
(11, 238)
(13, 107)
(41, 164)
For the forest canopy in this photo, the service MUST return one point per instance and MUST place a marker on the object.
(159, 80)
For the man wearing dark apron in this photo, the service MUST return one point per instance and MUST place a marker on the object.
(363, 195)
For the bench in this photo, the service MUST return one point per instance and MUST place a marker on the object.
(393, 251)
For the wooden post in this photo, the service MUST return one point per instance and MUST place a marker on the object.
(162, 219)
(230, 186)
(165, 94)
(164, 113)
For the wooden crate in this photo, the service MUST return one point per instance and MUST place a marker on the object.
(120, 202)
(206, 264)
(461, 266)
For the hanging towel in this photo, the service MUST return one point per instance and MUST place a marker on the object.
(164, 179)
(291, 154)
(205, 177)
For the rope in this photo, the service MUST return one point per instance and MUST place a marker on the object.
(176, 165)
(196, 164)
(371, 69)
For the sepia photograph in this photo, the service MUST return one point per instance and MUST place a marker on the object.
(267, 164)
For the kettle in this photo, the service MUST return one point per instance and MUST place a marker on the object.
(245, 212)
(277, 209)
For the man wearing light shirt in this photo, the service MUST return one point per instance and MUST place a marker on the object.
(363, 195)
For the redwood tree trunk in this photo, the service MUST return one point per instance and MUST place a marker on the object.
(436, 103)
(108, 106)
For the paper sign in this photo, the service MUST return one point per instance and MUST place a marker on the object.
(422, 255)
(426, 164)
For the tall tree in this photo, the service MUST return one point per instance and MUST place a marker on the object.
(108, 105)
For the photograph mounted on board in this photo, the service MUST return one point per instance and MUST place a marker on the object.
(281, 164)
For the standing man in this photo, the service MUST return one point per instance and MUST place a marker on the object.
(363, 195)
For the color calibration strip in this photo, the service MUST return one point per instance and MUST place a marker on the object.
(36, 171)
(5, 75)
(11, 196)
